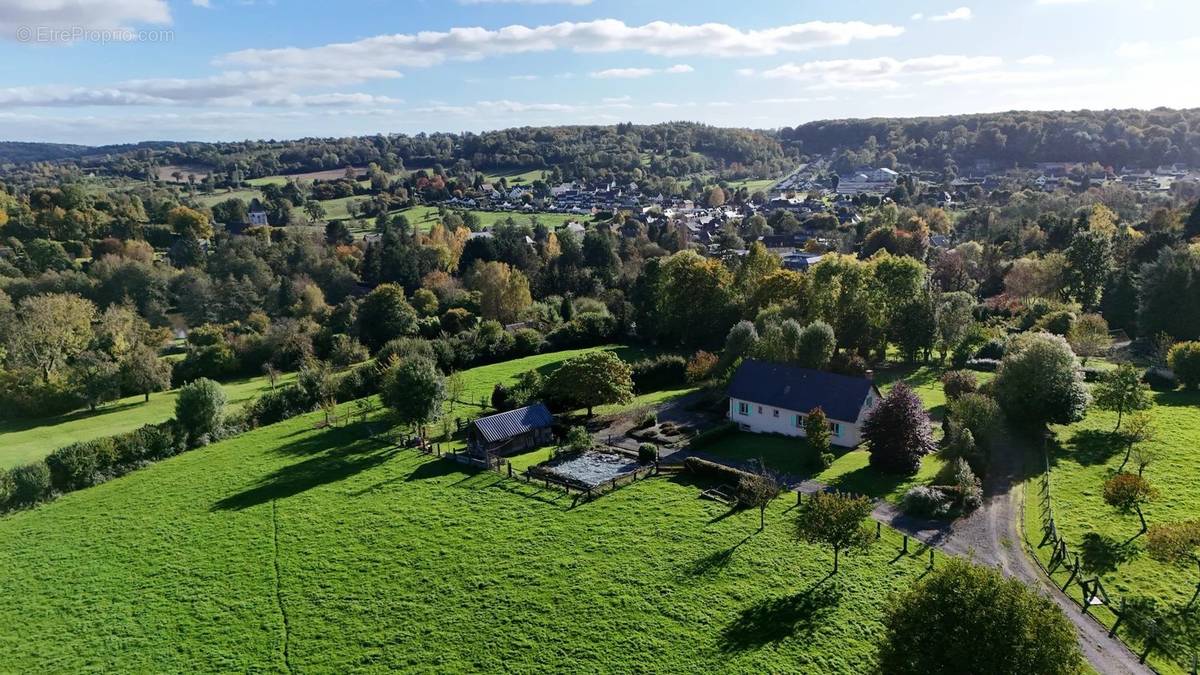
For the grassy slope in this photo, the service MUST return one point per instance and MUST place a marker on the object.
(384, 559)
(24, 441)
(1082, 458)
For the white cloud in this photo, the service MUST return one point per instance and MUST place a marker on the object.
(633, 73)
(524, 77)
(623, 73)
(206, 4)
(64, 15)
(960, 14)
(877, 73)
(605, 35)
(1036, 60)
(917, 17)
(1136, 50)
(617, 99)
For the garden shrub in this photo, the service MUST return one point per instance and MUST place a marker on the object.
(1160, 379)
(1184, 360)
(578, 439)
(926, 501)
(992, 349)
(199, 409)
(825, 460)
(73, 466)
(955, 383)
(707, 469)
(1093, 374)
(647, 453)
(648, 420)
(6, 489)
(848, 363)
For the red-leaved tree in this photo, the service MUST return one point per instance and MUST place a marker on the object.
(899, 432)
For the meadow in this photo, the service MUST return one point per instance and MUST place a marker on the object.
(1081, 457)
(27, 440)
(293, 547)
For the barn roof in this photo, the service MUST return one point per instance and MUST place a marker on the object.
(514, 422)
(800, 389)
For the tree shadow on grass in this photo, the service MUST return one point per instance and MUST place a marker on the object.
(714, 562)
(868, 481)
(1101, 554)
(774, 619)
(331, 466)
(1089, 447)
(433, 469)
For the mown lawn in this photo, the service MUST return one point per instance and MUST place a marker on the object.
(1082, 457)
(303, 549)
(24, 441)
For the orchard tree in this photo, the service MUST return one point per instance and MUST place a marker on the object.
(414, 390)
(967, 618)
(758, 490)
(1138, 431)
(1121, 391)
(835, 520)
(1039, 381)
(143, 372)
(1177, 543)
(1128, 492)
(592, 379)
(898, 432)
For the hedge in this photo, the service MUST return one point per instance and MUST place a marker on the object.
(703, 467)
(661, 372)
(707, 438)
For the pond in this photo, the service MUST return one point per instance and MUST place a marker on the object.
(591, 468)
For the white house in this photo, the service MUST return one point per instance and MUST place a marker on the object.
(775, 398)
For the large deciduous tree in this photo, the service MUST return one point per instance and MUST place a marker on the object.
(200, 409)
(835, 520)
(1039, 381)
(503, 291)
(414, 389)
(592, 379)
(965, 618)
(143, 372)
(49, 331)
(385, 315)
(898, 432)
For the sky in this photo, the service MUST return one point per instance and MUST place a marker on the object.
(117, 71)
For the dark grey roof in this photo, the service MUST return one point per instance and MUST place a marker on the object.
(800, 389)
(514, 422)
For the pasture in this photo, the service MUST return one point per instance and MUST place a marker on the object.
(23, 441)
(297, 548)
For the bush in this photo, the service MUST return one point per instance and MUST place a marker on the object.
(826, 460)
(647, 453)
(6, 489)
(30, 483)
(1093, 374)
(661, 372)
(1184, 360)
(73, 467)
(345, 351)
(977, 413)
(648, 420)
(982, 365)
(927, 502)
(1058, 323)
(1160, 379)
(700, 366)
(707, 469)
(200, 408)
(955, 383)
(992, 349)
(527, 342)
(578, 439)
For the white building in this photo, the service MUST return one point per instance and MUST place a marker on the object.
(775, 398)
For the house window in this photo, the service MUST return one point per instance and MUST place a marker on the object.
(760, 410)
(835, 428)
(743, 408)
(798, 420)
(775, 412)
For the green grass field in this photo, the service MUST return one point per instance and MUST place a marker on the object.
(1082, 456)
(516, 177)
(24, 441)
(300, 549)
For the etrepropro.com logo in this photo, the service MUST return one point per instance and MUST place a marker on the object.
(85, 34)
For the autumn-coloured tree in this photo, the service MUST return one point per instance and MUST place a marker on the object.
(1128, 492)
(592, 379)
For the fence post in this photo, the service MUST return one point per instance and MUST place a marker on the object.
(799, 498)
(905, 549)
(878, 530)
(931, 558)
(510, 469)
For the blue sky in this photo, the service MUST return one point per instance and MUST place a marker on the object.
(103, 71)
